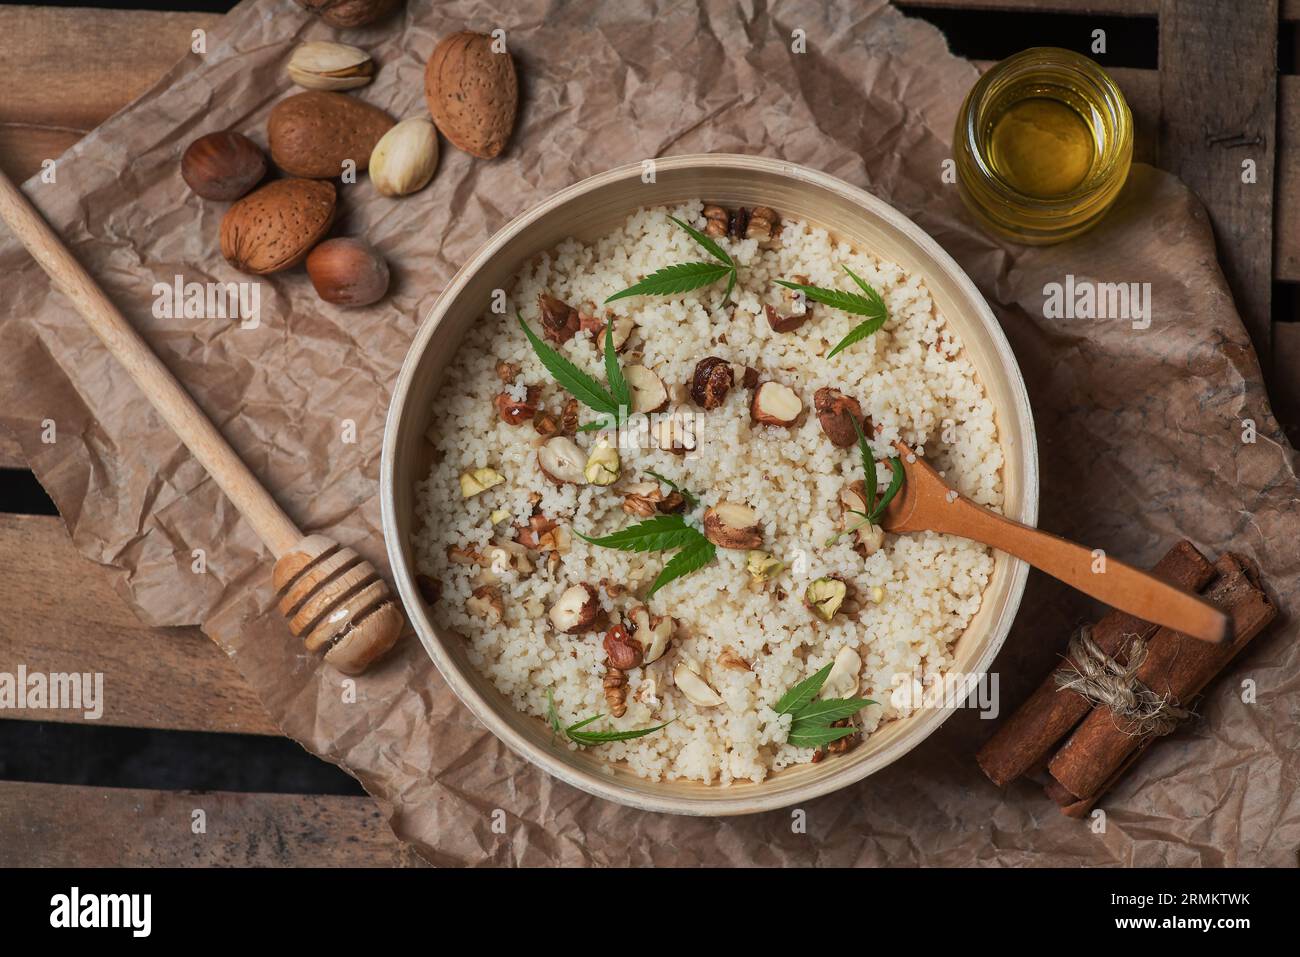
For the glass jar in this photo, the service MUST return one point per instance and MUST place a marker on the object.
(1043, 145)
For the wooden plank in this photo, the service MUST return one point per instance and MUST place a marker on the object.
(1218, 90)
(1285, 382)
(59, 825)
(66, 70)
(62, 615)
(1286, 236)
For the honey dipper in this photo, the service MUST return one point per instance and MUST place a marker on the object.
(334, 600)
(927, 503)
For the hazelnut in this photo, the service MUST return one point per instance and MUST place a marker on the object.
(559, 320)
(602, 464)
(694, 688)
(649, 394)
(577, 610)
(476, 481)
(674, 433)
(745, 375)
(824, 597)
(624, 653)
(653, 632)
(561, 460)
(775, 404)
(348, 272)
(222, 166)
(514, 412)
(837, 413)
(711, 382)
(595, 327)
(732, 525)
(780, 323)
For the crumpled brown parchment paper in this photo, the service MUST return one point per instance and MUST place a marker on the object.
(1140, 432)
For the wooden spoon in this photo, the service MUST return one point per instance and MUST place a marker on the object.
(334, 600)
(927, 503)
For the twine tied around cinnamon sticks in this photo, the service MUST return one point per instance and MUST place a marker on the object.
(1103, 680)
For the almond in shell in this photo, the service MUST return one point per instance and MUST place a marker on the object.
(312, 134)
(473, 93)
(274, 227)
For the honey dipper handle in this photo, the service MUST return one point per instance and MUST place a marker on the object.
(173, 403)
(1106, 579)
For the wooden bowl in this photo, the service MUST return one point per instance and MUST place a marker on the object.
(586, 211)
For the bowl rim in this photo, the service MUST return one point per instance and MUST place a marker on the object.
(608, 787)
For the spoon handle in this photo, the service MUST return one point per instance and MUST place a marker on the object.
(1106, 579)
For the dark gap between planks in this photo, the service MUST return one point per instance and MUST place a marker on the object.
(21, 494)
(997, 34)
(113, 757)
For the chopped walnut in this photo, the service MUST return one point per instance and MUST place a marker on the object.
(507, 372)
(716, 220)
(642, 499)
(738, 224)
(546, 423)
(463, 556)
(674, 503)
(485, 602)
(569, 417)
(530, 535)
(514, 412)
(841, 745)
(615, 685)
(764, 225)
(560, 321)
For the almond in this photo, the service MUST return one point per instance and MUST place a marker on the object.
(350, 13)
(472, 93)
(273, 228)
(312, 134)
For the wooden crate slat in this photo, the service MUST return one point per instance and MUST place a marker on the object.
(60, 825)
(1286, 219)
(1218, 93)
(62, 615)
(65, 71)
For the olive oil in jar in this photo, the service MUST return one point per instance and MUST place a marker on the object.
(1043, 145)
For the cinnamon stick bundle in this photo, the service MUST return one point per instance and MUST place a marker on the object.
(1175, 666)
(1027, 737)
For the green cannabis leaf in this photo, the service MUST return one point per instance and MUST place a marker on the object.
(685, 493)
(869, 304)
(653, 535)
(683, 277)
(660, 534)
(812, 719)
(872, 516)
(575, 733)
(691, 558)
(582, 386)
